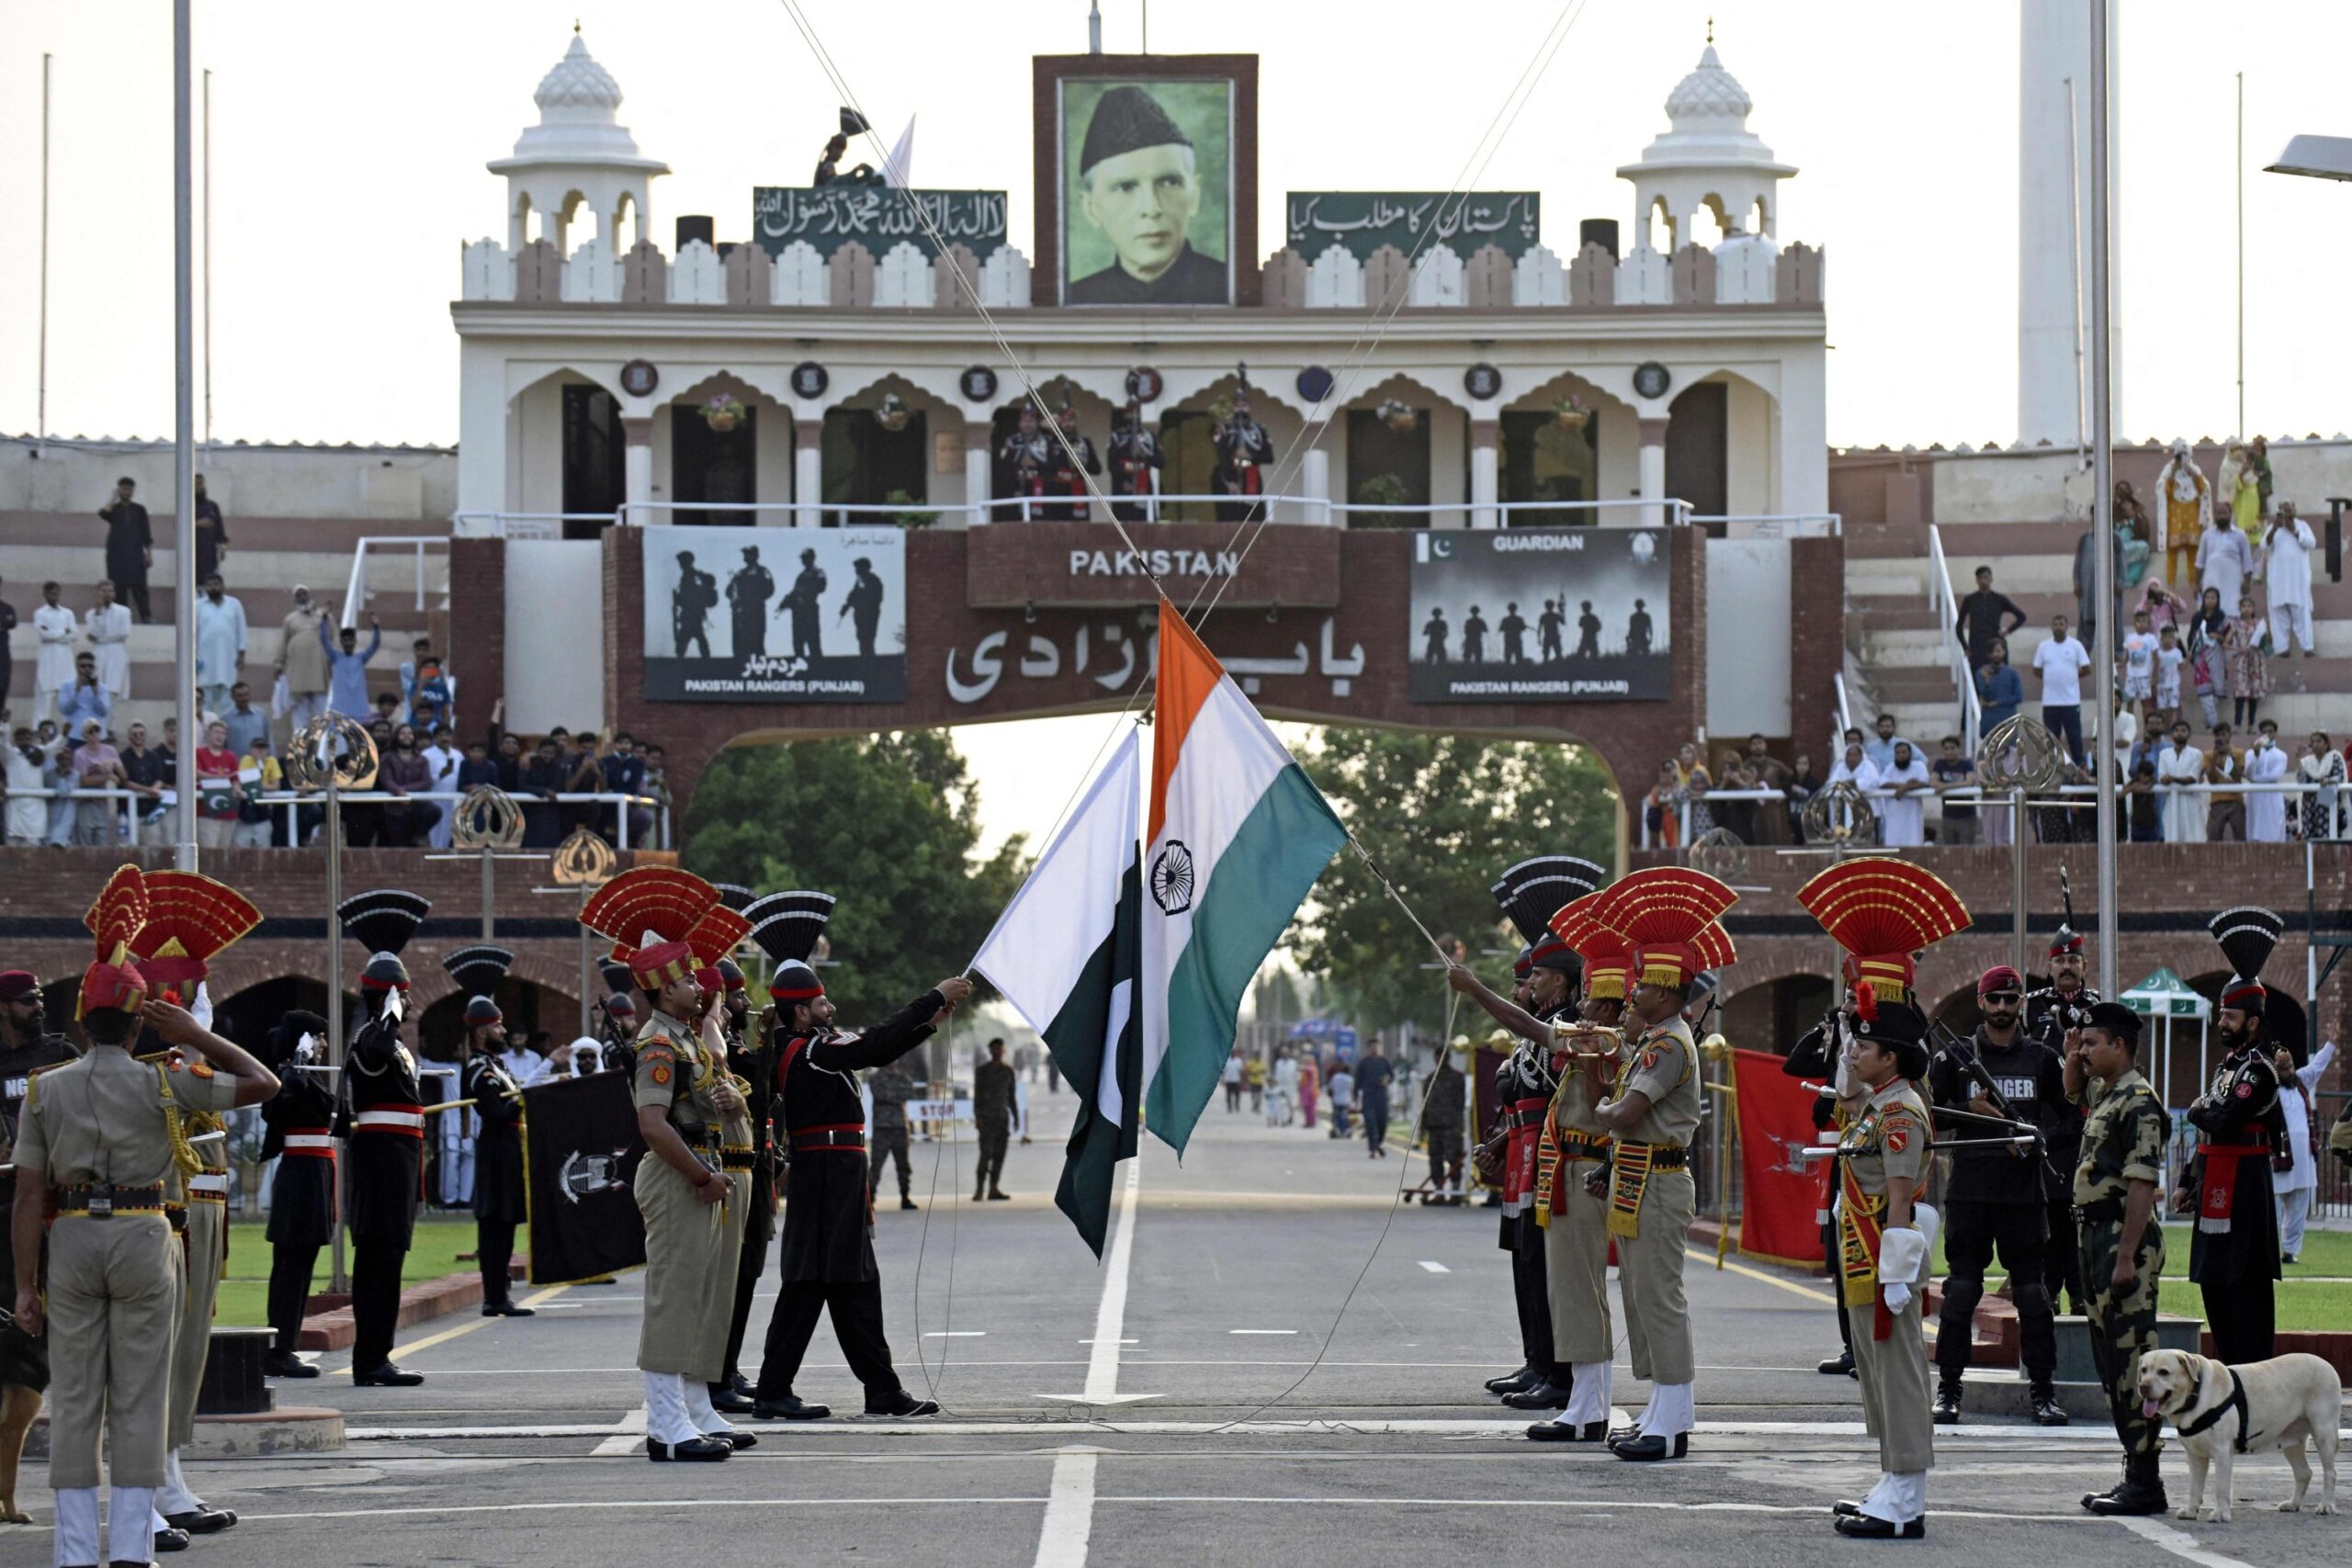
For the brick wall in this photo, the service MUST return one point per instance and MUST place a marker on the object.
(477, 640)
(1817, 643)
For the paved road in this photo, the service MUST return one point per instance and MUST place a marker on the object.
(1219, 1429)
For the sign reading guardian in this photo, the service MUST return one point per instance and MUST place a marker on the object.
(776, 614)
(1541, 614)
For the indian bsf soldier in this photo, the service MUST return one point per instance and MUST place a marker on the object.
(1885, 912)
(829, 1263)
(1575, 1215)
(1669, 915)
(298, 1131)
(191, 921)
(1529, 893)
(2050, 1012)
(994, 1089)
(26, 1048)
(2116, 1185)
(499, 1203)
(382, 1123)
(97, 1139)
(685, 1104)
(2233, 1252)
(1994, 1196)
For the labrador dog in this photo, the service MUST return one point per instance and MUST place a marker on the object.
(2289, 1399)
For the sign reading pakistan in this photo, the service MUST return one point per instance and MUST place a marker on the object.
(1146, 191)
(1541, 614)
(776, 614)
(877, 217)
(1362, 221)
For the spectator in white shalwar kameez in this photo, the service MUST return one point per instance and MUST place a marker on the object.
(54, 623)
(1903, 817)
(2287, 568)
(107, 626)
(2178, 765)
(2225, 560)
(2266, 809)
(2295, 1188)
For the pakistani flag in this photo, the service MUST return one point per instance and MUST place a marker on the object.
(1066, 953)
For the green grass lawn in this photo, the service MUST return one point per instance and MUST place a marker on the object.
(2304, 1302)
(244, 1290)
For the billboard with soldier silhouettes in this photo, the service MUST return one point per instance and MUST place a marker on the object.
(1541, 614)
(776, 614)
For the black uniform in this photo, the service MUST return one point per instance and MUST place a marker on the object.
(384, 1134)
(24, 1360)
(1997, 1198)
(1135, 463)
(2233, 1256)
(1244, 452)
(298, 1125)
(498, 1171)
(753, 1060)
(1814, 1055)
(829, 1209)
(1064, 477)
(2048, 1017)
(1525, 1079)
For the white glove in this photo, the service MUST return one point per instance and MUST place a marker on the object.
(1897, 1298)
(1902, 1254)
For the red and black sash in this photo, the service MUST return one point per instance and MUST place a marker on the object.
(2218, 1182)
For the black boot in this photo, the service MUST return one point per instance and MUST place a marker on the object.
(1946, 1401)
(1512, 1383)
(2047, 1411)
(1840, 1365)
(2142, 1494)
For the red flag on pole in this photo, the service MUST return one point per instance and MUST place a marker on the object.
(1781, 1194)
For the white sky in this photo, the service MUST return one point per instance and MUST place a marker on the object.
(349, 141)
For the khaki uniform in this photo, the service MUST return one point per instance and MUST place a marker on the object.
(1888, 1138)
(113, 1289)
(1652, 1199)
(1576, 1231)
(692, 1248)
(2123, 1142)
(205, 1252)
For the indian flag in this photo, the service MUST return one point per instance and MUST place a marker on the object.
(1237, 837)
(1065, 953)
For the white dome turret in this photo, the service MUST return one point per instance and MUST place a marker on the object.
(1707, 158)
(579, 154)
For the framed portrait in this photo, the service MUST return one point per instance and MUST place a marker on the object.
(1147, 179)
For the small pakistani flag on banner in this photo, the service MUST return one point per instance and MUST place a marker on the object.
(1066, 953)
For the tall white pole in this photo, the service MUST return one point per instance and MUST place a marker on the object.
(208, 263)
(184, 442)
(2241, 424)
(2075, 264)
(41, 396)
(2102, 501)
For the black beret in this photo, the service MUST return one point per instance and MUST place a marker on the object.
(2116, 1019)
(1127, 118)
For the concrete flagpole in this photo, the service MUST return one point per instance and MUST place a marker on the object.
(184, 447)
(2102, 498)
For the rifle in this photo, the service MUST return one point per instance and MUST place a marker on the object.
(1949, 1041)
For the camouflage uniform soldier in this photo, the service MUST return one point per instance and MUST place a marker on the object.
(2122, 1244)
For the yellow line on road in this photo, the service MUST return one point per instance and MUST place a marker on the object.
(430, 1340)
(1789, 1285)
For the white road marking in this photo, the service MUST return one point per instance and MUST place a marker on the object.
(1435, 1268)
(2180, 1543)
(957, 1334)
(628, 1438)
(1069, 1502)
(1090, 1342)
(1273, 1331)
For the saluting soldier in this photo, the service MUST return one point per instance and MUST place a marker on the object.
(26, 1048)
(383, 1129)
(684, 1189)
(499, 1201)
(298, 1134)
(2234, 1251)
(2051, 1012)
(829, 1263)
(97, 1139)
(1669, 915)
(191, 921)
(2116, 1186)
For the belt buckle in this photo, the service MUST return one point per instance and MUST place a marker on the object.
(101, 1200)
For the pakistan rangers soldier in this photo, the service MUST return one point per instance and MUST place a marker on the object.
(2116, 1186)
(1443, 1116)
(892, 1089)
(2050, 1012)
(994, 1088)
(97, 1140)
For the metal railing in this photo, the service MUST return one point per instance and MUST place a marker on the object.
(1774, 525)
(1311, 510)
(132, 806)
(533, 525)
(1942, 601)
(355, 593)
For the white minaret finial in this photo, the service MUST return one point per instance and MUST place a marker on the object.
(1094, 27)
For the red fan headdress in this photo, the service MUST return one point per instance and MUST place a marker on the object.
(113, 980)
(1668, 913)
(1881, 911)
(191, 921)
(1608, 957)
(649, 913)
(713, 937)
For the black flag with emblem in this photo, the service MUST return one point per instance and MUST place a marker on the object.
(580, 1141)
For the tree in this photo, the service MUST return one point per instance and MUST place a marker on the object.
(888, 824)
(1444, 815)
